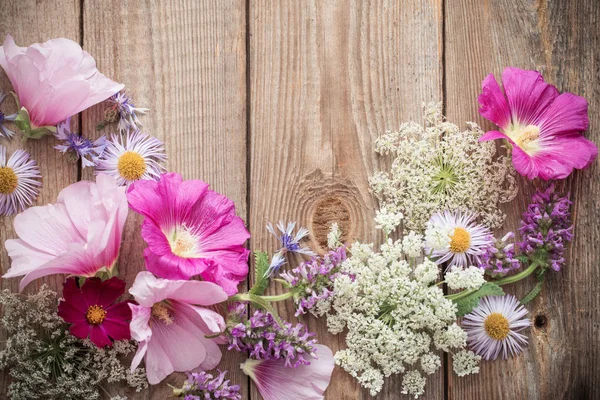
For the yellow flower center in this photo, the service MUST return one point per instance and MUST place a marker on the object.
(8, 180)
(496, 326)
(95, 315)
(526, 138)
(183, 243)
(131, 166)
(161, 312)
(460, 240)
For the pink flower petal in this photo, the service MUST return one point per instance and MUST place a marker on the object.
(139, 326)
(99, 337)
(528, 94)
(110, 290)
(493, 104)
(171, 266)
(147, 290)
(493, 135)
(81, 330)
(73, 295)
(566, 115)
(71, 313)
(117, 330)
(307, 382)
(562, 154)
(24, 258)
(54, 80)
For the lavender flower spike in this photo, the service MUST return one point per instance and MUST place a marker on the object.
(312, 282)
(201, 386)
(498, 258)
(264, 339)
(546, 228)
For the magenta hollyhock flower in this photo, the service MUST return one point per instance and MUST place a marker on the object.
(171, 324)
(78, 235)
(543, 126)
(54, 80)
(275, 381)
(190, 230)
(92, 310)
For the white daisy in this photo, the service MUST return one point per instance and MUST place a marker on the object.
(132, 156)
(19, 181)
(467, 238)
(493, 327)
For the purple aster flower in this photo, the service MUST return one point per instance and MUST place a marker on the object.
(125, 111)
(312, 281)
(546, 228)
(78, 146)
(498, 258)
(203, 386)
(264, 339)
(19, 181)
(4, 131)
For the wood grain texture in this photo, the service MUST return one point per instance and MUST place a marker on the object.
(185, 60)
(560, 39)
(326, 79)
(53, 18)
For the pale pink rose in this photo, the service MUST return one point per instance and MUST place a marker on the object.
(78, 235)
(54, 80)
(171, 323)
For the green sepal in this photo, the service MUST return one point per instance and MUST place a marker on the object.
(23, 122)
(259, 302)
(261, 266)
(466, 304)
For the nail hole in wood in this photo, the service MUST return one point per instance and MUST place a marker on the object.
(327, 211)
(540, 321)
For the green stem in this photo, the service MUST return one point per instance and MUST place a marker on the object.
(504, 281)
(521, 275)
(246, 297)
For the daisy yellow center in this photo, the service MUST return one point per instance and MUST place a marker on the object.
(496, 326)
(183, 244)
(460, 240)
(526, 138)
(8, 180)
(131, 166)
(161, 312)
(95, 315)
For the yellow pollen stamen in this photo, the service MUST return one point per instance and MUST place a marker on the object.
(526, 138)
(95, 315)
(161, 312)
(131, 166)
(460, 240)
(183, 243)
(8, 180)
(496, 326)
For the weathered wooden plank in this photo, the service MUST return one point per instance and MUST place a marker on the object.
(46, 20)
(326, 78)
(185, 61)
(561, 39)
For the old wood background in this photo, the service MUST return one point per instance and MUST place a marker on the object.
(277, 104)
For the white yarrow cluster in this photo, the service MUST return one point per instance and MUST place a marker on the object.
(395, 319)
(437, 167)
(470, 278)
(334, 237)
(412, 244)
(465, 362)
(387, 220)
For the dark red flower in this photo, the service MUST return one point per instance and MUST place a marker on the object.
(92, 310)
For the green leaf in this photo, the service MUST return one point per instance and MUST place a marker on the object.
(537, 289)
(261, 280)
(24, 124)
(466, 304)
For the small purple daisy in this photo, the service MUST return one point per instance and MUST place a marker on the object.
(19, 181)
(493, 327)
(132, 156)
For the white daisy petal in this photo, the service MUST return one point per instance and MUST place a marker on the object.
(19, 181)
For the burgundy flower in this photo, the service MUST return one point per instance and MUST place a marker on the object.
(92, 310)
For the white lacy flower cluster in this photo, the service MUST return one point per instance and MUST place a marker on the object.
(437, 167)
(396, 318)
(470, 278)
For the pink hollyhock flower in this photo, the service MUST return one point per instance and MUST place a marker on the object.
(78, 235)
(543, 126)
(53, 80)
(190, 230)
(171, 328)
(275, 381)
(93, 312)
